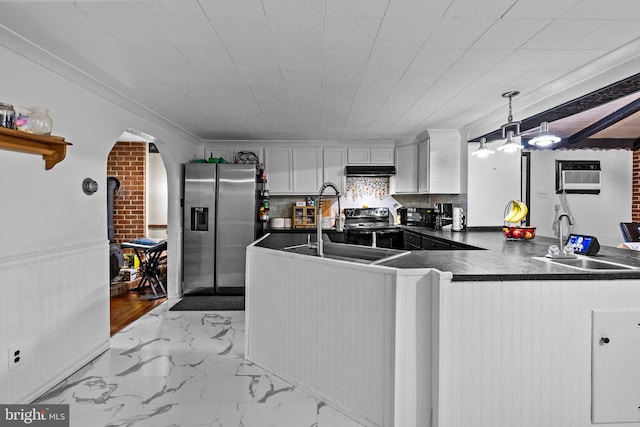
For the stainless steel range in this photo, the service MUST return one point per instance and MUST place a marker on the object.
(371, 227)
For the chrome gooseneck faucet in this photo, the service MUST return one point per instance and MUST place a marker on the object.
(560, 234)
(319, 243)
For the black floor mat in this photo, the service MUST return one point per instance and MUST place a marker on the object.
(209, 303)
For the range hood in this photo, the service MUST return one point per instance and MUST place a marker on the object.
(370, 170)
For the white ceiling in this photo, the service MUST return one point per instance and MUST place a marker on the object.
(325, 69)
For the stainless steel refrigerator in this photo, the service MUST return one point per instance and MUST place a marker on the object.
(219, 222)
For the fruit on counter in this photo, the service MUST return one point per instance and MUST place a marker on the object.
(517, 212)
(519, 233)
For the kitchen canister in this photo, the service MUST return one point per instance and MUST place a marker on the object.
(7, 115)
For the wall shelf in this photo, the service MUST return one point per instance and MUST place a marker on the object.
(52, 148)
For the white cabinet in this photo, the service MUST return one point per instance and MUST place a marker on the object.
(334, 161)
(423, 167)
(382, 156)
(278, 164)
(293, 170)
(406, 178)
(615, 376)
(307, 170)
(430, 166)
(370, 156)
(444, 162)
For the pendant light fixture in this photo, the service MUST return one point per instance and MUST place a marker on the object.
(512, 136)
(483, 150)
(544, 138)
(510, 144)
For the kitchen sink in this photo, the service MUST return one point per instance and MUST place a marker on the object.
(353, 253)
(585, 263)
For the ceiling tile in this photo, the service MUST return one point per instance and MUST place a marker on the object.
(356, 9)
(493, 9)
(565, 34)
(227, 8)
(540, 9)
(254, 58)
(296, 32)
(344, 32)
(250, 31)
(610, 9)
(206, 58)
(348, 61)
(407, 31)
(457, 33)
(300, 58)
(417, 9)
(481, 59)
(391, 59)
(294, 8)
(510, 33)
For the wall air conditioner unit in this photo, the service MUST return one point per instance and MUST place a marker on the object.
(578, 176)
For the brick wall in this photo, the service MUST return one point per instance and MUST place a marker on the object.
(127, 162)
(635, 197)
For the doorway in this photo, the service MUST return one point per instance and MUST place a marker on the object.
(139, 211)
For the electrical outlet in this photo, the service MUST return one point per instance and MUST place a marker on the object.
(542, 194)
(15, 357)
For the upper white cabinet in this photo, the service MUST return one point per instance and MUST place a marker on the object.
(278, 164)
(307, 170)
(406, 178)
(334, 161)
(370, 156)
(444, 159)
(294, 170)
(430, 166)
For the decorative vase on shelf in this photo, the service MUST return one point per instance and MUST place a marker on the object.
(39, 121)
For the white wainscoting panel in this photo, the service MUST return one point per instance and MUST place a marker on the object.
(332, 334)
(519, 353)
(54, 307)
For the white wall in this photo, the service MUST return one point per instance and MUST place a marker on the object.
(597, 215)
(45, 214)
(492, 181)
(157, 199)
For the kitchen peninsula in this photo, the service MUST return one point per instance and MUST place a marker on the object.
(455, 338)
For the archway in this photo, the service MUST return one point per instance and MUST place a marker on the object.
(140, 205)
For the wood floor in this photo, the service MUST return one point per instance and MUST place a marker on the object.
(131, 305)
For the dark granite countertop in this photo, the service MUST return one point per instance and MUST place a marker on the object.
(307, 230)
(498, 260)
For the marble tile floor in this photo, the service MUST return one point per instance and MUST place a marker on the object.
(185, 368)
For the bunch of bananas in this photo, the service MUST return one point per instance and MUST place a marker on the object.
(517, 212)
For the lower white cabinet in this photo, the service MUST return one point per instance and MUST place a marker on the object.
(615, 376)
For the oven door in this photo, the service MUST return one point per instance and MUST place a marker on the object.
(385, 238)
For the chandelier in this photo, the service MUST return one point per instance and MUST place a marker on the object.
(511, 134)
